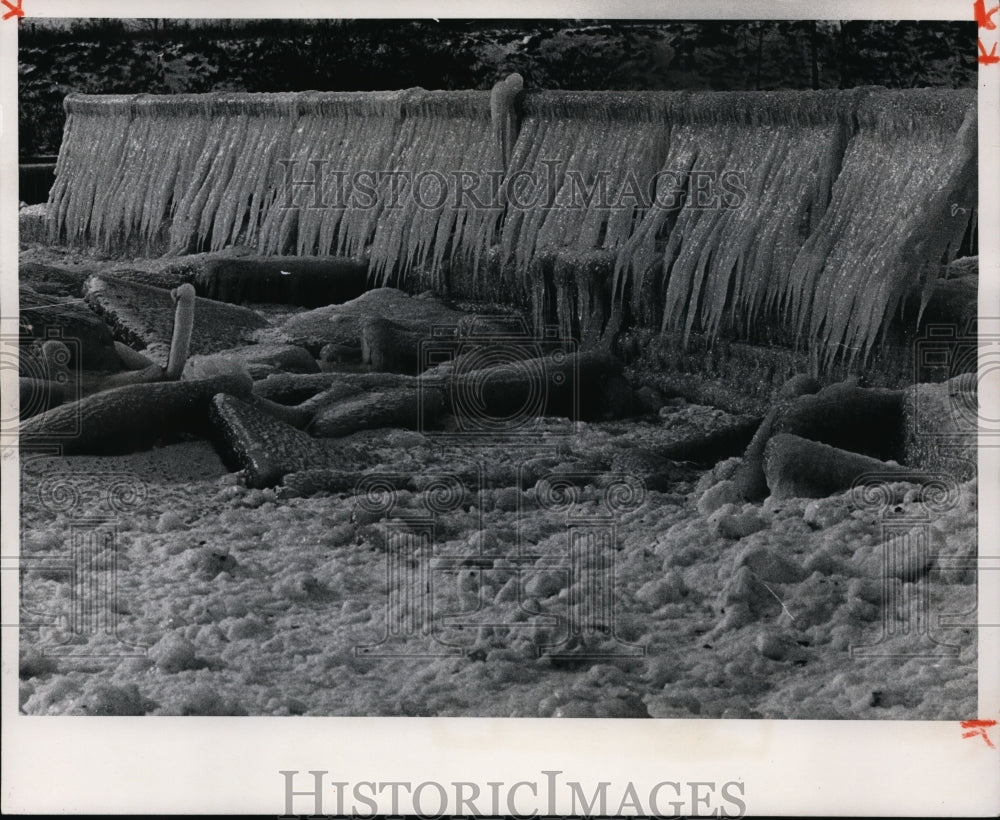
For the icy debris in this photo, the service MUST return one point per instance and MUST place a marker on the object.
(35, 664)
(778, 646)
(118, 701)
(781, 507)
(508, 592)
(661, 670)
(730, 524)
(546, 584)
(208, 562)
(669, 589)
(700, 616)
(907, 565)
(247, 627)
(170, 521)
(507, 499)
(722, 471)
(175, 653)
(256, 497)
(801, 384)
(824, 563)
(206, 701)
(767, 565)
(673, 704)
(301, 586)
(821, 513)
(866, 590)
(725, 492)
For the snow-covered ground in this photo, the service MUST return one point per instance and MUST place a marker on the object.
(246, 601)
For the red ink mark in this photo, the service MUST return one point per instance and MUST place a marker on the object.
(15, 11)
(984, 57)
(983, 15)
(979, 728)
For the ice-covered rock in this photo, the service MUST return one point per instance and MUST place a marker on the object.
(736, 525)
(725, 492)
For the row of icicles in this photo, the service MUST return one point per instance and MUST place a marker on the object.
(835, 206)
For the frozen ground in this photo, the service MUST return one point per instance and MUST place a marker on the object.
(237, 601)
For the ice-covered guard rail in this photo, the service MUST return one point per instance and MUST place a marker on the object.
(839, 205)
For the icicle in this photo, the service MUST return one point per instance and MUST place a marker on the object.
(902, 160)
(818, 242)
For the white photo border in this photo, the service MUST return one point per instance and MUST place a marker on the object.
(232, 765)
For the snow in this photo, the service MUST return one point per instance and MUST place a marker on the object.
(242, 601)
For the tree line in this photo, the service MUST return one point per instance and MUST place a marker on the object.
(174, 56)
